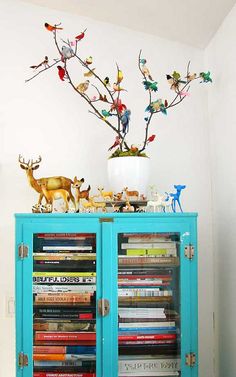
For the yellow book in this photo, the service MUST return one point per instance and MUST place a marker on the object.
(59, 274)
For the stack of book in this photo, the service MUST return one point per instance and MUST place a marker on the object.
(148, 297)
(64, 295)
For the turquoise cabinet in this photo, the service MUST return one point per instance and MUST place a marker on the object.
(106, 295)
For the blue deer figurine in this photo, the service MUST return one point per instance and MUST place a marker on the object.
(176, 197)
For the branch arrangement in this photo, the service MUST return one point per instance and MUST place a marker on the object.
(107, 104)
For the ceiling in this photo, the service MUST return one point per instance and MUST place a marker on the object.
(193, 22)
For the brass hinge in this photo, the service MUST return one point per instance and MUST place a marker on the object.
(190, 359)
(189, 251)
(22, 360)
(23, 251)
(106, 220)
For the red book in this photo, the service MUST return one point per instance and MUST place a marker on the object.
(61, 336)
(54, 374)
(143, 277)
(147, 337)
(49, 349)
(65, 342)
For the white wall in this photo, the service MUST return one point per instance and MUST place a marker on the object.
(46, 117)
(221, 56)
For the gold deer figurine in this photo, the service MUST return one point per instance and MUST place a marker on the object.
(52, 195)
(51, 183)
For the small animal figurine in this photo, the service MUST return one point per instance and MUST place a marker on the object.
(84, 194)
(52, 195)
(107, 195)
(167, 203)
(46, 208)
(175, 197)
(131, 194)
(98, 205)
(36, 208)
(52, 183)
(156, 204)
(128, 207)
(118, 197)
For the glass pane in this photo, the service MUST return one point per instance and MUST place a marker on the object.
(149, 304)
(64, 315)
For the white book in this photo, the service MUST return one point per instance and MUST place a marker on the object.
(45, 248)
(147, 366)
(151, 245)
(124, 325)
(63, 288)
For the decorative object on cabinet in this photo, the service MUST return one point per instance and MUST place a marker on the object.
(106, 295)
(106, 102)
(51, 183)
(176, 197)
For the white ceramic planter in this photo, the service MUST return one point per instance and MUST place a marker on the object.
(131, 171)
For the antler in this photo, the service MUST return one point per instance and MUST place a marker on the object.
(30, 163)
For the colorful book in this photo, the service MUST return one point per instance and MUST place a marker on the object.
(66, 326)
(63, 357)
(145, 366)
(127, 337)
(149, 245)
(61, 336)
(63, 279)
(37, 288)
(59, 248)
(61, 374)
(62, 298)
(64, 349)
(64, 274)
(125, 325)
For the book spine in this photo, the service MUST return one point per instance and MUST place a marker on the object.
(64, 349)
(62, 298)
(64, 256)
(51, 336)
(64, 274)
(143, 292)
(146, 324)
(59, 374)
(63, 280)
(66, 236)
(147, 337)
(149, 245)
(63, 357)
(146, 366)
(63, 248)
(55, 326)
(85, 288)
(148, 260)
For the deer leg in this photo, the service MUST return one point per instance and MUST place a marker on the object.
(180, 205)
(72, 198)
(41, 197)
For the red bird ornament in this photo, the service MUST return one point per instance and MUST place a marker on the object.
(151, 138)
(80, 36)
(61, 72)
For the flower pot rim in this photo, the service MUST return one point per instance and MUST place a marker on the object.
(116, 157)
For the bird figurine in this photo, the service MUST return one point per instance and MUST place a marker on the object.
(154, 106)
(106, 113)
(119, 76)
(151, 138)
(206, 77)
(80, 36)
(142, 61)
(150, 85)
(52, 28)
(125, 118)
(61, 72)
(116, 142)
(175, 81)
(83, 86)
(146, 72)
(117, 88)
(89, 73)
(44, 62)
(89, 60)
(106, 81)
(118, 105)
(67, 52)
(190, 77)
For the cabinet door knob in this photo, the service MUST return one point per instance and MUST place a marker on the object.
(103, 307)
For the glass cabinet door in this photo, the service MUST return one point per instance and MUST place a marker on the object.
(149, 323)
(64, 304)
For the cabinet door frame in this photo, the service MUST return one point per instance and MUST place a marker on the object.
(24, 271)
(188, 283)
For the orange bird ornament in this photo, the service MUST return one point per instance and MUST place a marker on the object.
(52, 28)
